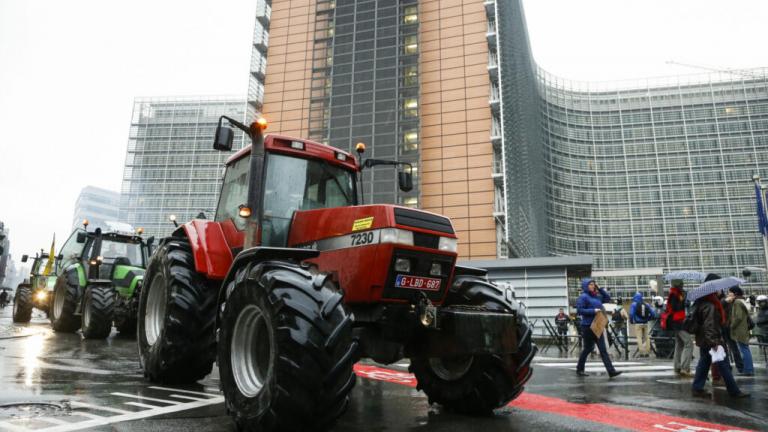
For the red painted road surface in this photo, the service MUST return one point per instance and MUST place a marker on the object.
(599, 413)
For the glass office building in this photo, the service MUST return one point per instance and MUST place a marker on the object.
(651, 174)
(98, 206)
(170, 164)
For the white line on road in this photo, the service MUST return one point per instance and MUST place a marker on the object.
(184, 391)
(98, 407)
(12, 427)
(573, 364)
(142, 405)
(87, 415)
(178, 396)
(632, 368)
(139, 397)
(128, 417)
(52, 420)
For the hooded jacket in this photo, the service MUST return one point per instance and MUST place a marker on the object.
(634, 310)
(588, 302)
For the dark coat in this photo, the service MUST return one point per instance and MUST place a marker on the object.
(708, 333)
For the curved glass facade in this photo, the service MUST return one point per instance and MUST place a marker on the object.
(658, 174)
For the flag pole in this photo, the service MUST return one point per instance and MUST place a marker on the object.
(759, 186)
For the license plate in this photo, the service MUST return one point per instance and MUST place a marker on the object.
(416, 282)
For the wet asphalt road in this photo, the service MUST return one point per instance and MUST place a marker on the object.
(59, 382)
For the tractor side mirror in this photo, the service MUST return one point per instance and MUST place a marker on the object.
(24, 258)
(81, 236)
(405, 180)
(223, 139)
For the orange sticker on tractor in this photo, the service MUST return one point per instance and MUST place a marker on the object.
(361, 224)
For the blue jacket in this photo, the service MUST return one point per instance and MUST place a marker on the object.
(634, 309)
(587, 302)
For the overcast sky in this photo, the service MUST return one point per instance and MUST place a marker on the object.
(69, 71)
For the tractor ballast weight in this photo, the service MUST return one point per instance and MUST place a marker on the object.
(274, 280)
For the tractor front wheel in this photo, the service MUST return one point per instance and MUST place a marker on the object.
(478, 384)
(22, 304)
(285, 351)
(176, 319)
(98, 307)
(65, 300)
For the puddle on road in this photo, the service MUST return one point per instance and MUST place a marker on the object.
(31, 410)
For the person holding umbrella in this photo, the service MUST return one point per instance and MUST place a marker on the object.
(705, 323)
(589, 304)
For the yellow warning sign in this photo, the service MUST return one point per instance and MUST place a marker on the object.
(361, 224)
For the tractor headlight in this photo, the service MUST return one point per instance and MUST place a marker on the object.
(448, 244)
(41, 295)
(403, 265)
(436, 269)
(394, 235)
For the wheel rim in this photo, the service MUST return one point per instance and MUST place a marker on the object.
(154, 318)
(451, 368)
(251, 350)
(58, 300)
(87, 312)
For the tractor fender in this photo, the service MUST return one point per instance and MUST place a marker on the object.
(253, 256)
(212, 253)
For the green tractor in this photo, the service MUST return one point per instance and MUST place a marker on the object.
(99, 276)
(35, 292)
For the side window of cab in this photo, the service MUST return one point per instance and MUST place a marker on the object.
(234, 192)
(71, 251)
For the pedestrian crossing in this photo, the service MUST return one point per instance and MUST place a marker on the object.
(81, 415)
(629, 368)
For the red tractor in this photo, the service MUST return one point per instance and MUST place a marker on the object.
(294, 281)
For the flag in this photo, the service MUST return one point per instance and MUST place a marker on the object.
(49, 264)
(762, 219)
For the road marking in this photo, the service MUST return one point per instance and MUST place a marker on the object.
(625, 418)
(12, 427)
(98, 407)
(573, 364)
(87, 415)
(52, 420)
(184, 391)
(631, 368)
(187, 397)
(139, 404)
(154, 411)
(146, 398)
(43, 365)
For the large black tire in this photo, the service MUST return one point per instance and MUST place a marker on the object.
(63, 318)
(98, 310)
(22, 304)
(303, 364)
(181, 347)
(476, 385)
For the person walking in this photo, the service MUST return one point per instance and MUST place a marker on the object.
(731, 348)
(708, 317)
(561, 322)
(589, 304)
(739, 327)
(675, 316)
(761, 319)
(639, 315)
(620, 318)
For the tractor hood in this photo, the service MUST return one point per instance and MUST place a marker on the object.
(341, 227)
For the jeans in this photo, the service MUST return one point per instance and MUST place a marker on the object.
(746, 356)
(683, 351)
(732, 349)
(702, 370)
(643, 338)
(563, 334)
(589, 344)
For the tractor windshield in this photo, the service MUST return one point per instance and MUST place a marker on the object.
(300, 184)
(122, 253)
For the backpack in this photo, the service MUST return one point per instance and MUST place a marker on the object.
(644, 312)
(691, 324)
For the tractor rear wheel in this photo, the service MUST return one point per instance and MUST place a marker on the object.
(477, 384)
(63, 307)
(285, 351)
(98, 309)
(176, 319)
(22, 304)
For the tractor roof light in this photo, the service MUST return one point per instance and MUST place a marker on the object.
(85, 223)
(298, 145)
(139, 231)
(360, 148)
(172, 218)
(261, 123)
(341, 156)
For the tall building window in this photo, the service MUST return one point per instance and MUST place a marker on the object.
(411, 107)
(411, 44)
(411, 76)
(410, 140)
(410, 15)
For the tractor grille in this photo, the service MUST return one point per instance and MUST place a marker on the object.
(422, 220)
(426, 240)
